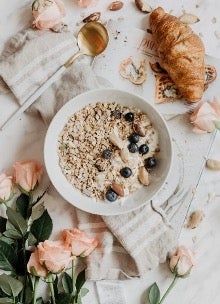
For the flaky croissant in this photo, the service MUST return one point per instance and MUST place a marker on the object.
(181, 53)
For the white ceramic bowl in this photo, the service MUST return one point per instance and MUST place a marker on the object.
(73, 195)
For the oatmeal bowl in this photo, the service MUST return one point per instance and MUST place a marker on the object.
(108, 151)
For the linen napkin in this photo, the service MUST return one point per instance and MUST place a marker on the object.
(129, 244)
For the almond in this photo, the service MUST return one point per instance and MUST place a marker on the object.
(115, 139)
(125, 155)
(143, 176)
(118, 188)
(143, 6)
(189, 18)
(93, 17)
(213, 164)
(139, 128)
(115, 5)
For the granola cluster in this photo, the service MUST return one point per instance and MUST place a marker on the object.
(94, 149)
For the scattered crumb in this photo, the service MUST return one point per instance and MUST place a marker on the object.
(201, 34)
(214, 20)
(217, 34)
(194, 239)
(195, 219)
(197, 5)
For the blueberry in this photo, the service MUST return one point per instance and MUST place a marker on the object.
(111, 196)
(133, 148)
(107, 154)
(143, 149)
(126, 172)
(134, 138)
(150, 162)
(129, 116)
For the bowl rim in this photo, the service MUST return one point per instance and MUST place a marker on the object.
(50, 138)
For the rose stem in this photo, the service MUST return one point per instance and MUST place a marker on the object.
(35, 289)
(169, 289)
(73, 278)
(50, 277)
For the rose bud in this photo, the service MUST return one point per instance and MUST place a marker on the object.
(81, 244)
(47, 14)
(6, 187)
(182, 261)
(27, 174)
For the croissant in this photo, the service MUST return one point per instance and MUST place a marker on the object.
(181, 53)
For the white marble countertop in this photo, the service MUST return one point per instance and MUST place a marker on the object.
(24, 139)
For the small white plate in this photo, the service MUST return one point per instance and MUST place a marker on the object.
(73, 195)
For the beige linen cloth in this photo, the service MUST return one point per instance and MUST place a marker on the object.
(129, 244)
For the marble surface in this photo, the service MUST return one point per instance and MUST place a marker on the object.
(24, 139)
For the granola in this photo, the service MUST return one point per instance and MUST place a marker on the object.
(104, 148)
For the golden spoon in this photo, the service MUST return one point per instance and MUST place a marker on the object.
(92, 40)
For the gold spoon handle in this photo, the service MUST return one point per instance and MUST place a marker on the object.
(69, 62)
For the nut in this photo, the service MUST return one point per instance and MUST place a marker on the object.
(115, 139)
(213, 164)
(93, 17)
(125, 155)
(143, 176)
(189, 18)
(195, 219)
(143, 6)
(156, 67)
(118, 188)
(139, 128)
(115, 5)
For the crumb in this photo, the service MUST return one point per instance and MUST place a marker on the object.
(195, 219)
(214, 20)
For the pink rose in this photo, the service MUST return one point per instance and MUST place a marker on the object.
(47, 13)
(54, 255)
(182, 261)
(85, 3)
(34, 266)
(6, 186)
(81, 244)
(27, 174)
(205, 116)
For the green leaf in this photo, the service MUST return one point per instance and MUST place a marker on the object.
(67, 283)
(3, 222)
(39, 301)
(31, 239)
(42, 227)
(9, 285)
(11, 232)
(22, 204)
(7, 240)
(80, 281)
(64, 298)
(6, 301)
(8, 257)
(79, 300)
(84, 292)
(217, 124)
(17, 220)
(154, 294)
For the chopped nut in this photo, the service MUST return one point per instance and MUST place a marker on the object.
(139, 128)
(143, 6)
(157, 68)
(118, 188)
(195, 219)
(93, 17)
(189, 18)
(115, 5)
(213, 164)
(115, 139)
(125, 155)
(143, 176)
